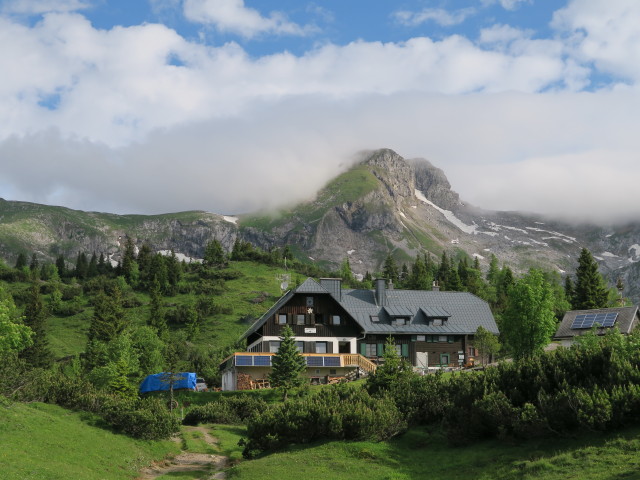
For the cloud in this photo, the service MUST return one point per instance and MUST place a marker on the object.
(35, 7)
(440, 16)
(141, 120)
(115, 86)
(234, 17)
(605, 33)
(506, 4)
(501, 151)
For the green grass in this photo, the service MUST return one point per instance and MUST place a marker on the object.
(424, 454)
(48, 442)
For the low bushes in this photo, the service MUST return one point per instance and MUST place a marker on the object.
(337, 412)
(226, 410)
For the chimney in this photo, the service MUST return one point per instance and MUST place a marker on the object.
(381, 292)
(435, 287)
(333, 286)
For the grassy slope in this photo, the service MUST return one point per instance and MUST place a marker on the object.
(48, 442)
(68, 335)
(423, 454)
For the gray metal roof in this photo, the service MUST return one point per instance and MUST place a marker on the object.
(311, 286)
(627, 320)
(399, 311)
(463, 311)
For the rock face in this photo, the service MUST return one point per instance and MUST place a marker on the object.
(383, 205)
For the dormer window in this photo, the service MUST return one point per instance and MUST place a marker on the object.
(400, 321)
(374, 318)
(437, 322)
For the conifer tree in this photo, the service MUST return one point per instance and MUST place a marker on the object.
(33, 266)
(288, 364)
(345, 271)
(82, 265)
(590, 290)
(214, 254)
(61, 265)
(390, 269)
(35, 315)
(443, 271)
(92, 269)
(157, 318)
(21, 261)
(109, 318)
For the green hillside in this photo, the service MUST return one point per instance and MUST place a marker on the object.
(46, 442)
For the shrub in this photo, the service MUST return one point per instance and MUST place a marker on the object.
(231, 410)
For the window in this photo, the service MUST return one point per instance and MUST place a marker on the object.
(300, 346)
(332, 371)
(437, 322)
(443, 338)
(282, 319)
(309, 301)
(299, 319)
(321, 347)
(374, 318)
(274, 345)
(420, 338)
(319, 318)
(371, 350)
(400, 321)
(399, 350)
(335, 320)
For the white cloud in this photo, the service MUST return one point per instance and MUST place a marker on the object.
(506, 4)
(604, 32)
(31, 7)
(440, 16)
(233, 16)
(117, 85)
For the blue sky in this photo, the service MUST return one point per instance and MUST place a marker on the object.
(164, 105)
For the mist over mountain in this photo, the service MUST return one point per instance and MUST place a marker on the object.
(384, 204)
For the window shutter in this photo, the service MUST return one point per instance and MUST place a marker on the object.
(363, 349)
(381, 349)
(405, 349)
(312, 347)
(275, 319)
(329, 347)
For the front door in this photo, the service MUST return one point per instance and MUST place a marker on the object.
(444, 359)
(422, 359)
(344, 347)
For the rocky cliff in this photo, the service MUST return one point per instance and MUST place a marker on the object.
(382, 205)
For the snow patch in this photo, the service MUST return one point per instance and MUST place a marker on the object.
(231, 219)
(349, 252)
(449, 215)
(312, 259)
(403, 215)
(609, 254)
(478, 256)
(180, 256)
(634, 252)
(491, 234)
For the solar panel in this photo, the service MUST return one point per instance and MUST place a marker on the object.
(331, 361)
(244, 360)
(314, 361)
(262, 360)
(588, 320)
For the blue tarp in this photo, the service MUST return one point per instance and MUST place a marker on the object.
(161, 382)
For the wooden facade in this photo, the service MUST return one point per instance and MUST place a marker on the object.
(440, 352)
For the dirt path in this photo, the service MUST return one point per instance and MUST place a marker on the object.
(210, 465)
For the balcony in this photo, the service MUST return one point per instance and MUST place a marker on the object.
(314, 360)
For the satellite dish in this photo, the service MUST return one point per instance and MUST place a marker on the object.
(284, 285)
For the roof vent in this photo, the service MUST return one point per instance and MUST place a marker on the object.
(381, 291)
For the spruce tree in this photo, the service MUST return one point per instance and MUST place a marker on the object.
(214, 254)
(21, 261)
(35, 315)
(157, 319)
(590, 290)
(288, 364)
(61, 264)
(390, 269)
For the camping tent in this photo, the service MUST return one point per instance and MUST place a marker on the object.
(162, 382)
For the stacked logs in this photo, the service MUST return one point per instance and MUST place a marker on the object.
(244, 382)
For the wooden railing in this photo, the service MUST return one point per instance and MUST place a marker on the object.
(358, 360)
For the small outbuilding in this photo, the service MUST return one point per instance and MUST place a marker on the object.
(578, 322)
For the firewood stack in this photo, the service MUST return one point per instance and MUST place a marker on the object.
(244, 382)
